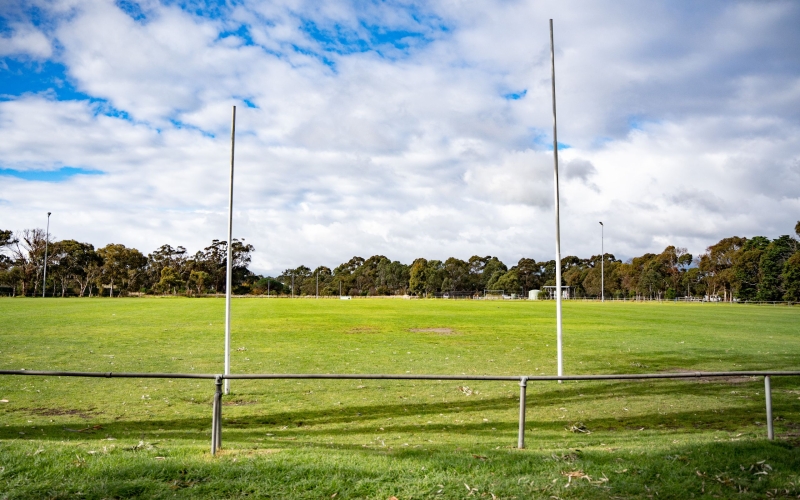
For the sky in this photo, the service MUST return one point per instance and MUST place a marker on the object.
(407, 129)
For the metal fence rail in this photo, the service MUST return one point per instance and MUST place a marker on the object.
(216, 416)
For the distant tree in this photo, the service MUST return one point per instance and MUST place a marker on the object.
(170, 280)
(509, 282)
(791, 278)
(529, 274)
(174, 258)
(717, 262)
(6, 239)
(418, 275)
(393, 276)
(297, 277)
(771, 267)
(199, 281)
(435, 276)
(213, 260)
(746, 268)
(325, 276)
(365, 278)
(492, 271)
(457, 273)
(344, 275)
(27, 253)
(122, 266)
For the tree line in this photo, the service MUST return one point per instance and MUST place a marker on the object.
(735, 268)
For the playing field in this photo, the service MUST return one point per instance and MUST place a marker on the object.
(114, 438)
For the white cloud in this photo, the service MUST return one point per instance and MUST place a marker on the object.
(25, 40)
(681, 119)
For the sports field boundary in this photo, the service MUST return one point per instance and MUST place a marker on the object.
(216, 418)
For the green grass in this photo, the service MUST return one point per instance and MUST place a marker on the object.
(101, 438)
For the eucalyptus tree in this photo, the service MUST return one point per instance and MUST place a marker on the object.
(122, 267)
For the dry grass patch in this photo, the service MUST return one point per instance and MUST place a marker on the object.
(438, 331)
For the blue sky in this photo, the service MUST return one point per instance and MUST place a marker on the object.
(400, 128)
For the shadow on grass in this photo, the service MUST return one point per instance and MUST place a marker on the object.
(360, 420)
(749, 469)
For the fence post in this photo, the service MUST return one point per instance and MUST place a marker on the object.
(523, 385)
(216, 417)
(768, 396)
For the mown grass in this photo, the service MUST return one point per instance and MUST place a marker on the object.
(99, 438)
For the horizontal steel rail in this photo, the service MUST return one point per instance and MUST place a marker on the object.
(107, 374)
(216, 416)
(404, 376)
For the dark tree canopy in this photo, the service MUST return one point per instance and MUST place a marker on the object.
(735, 268)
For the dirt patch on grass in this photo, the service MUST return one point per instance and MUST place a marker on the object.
(438, 331)
(363, 329)
(238, 402)
(249, 453)
(705, 380)
(51, 412)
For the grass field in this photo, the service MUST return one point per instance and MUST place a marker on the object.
(101, 438)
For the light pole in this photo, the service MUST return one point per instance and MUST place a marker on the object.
(558, 223)
(46, 240)
(602, 264)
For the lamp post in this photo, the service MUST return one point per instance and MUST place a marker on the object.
(558, 223)
(46, 240)
(602, 265)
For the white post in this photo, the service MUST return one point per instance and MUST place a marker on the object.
(768, 396)
(46, 240)
(317, 286)
(602, 266)
(229, 278)
(558, 223)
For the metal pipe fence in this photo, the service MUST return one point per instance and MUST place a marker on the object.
(216, 412)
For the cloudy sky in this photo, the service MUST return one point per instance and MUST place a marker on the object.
(400, 128)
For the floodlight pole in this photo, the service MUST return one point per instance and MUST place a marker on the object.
(229, 277)
(558, 223)
(46, 240)
(602, 264)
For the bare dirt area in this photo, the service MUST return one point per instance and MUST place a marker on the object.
(50, 412)
(438, 331)
(363, 329)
